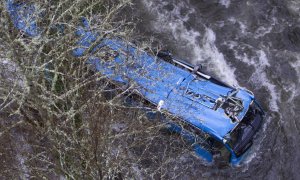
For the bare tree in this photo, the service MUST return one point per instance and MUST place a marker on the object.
(56, 96)
(58, 117)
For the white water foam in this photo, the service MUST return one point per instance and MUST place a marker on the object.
(217, 60)
(225, 3)
(294, 7)
(296, 66)
(243, 27)
(259, 77)
(261, 31)
(203, 51)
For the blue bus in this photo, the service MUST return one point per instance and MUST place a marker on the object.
(212, 115)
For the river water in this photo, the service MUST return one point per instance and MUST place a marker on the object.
(253, 44)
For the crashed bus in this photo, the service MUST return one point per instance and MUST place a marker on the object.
(212, 115)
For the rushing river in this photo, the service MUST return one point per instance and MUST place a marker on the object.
(253, 44)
